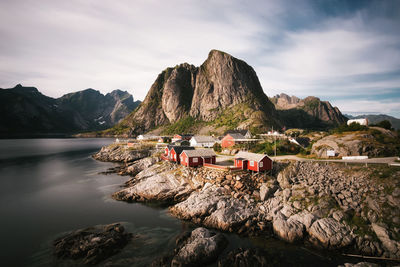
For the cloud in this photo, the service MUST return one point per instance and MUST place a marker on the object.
(333, 53)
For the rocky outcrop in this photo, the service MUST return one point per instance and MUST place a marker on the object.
(201, 247)
(156, 183)
(289, 230)
(354, 144)
(307, 112)
(221, 83)
(330, 234)
(121, 153)
(245, 258)
(214, 208)
(92, 245)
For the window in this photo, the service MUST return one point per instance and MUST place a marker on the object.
(195, 160)
(261, 164)
(252, 163)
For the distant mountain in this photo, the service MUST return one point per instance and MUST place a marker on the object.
(223, 93)
(309, 112)
(26, 111)
(374, 119)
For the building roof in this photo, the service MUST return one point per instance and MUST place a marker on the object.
(250, 156)
(200, 153)
(242, 132)
(237, 136)
(203, 139)
(179, 149)
(184, 135)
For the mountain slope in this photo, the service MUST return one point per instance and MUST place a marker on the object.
(222, 85)
(309, 112)
(374, 119)
(26, 111)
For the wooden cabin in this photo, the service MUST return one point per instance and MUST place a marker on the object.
(232, 139)
(253, 161)
(194, 158)
(175, 151)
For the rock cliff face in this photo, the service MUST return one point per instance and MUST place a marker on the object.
(308, 112)
(26, 111)
(221, 83)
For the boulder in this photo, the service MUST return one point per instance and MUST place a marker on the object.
(202, 247)
(289, 230)
(267, 190)
(92, 245)
(244, 258)
(141, 165)
(330, 234)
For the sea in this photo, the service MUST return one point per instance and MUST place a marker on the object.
(49, 187)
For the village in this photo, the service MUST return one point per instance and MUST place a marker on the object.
(231, 152)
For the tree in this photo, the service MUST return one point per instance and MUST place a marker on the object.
(385, 124)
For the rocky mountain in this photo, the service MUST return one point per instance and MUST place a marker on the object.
(224, 92)
(26, 111)
(309, 112)
(374, 119)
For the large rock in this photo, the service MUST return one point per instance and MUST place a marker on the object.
(120, 153)
(267, 190)
(390, 245)
(289, 230)
(244, 258)
(92, 245)
(329, 233)
(157, 183)
(229, 214)
(202, 247)
(214, 208)
(141, 165)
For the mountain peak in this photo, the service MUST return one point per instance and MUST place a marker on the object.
(221, 83)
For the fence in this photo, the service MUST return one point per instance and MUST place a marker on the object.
(220, 167)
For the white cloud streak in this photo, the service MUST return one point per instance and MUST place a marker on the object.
(64, 46)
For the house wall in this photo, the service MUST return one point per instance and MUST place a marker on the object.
(267, 164)
(184, 160)
(227, 141)
(238, 163)
(254, 167)
(195, 164)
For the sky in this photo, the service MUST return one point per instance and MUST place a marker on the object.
(345, 52)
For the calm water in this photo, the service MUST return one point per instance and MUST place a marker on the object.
(52, 186)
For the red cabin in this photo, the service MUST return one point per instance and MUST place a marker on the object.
(175, 152)
(194, 158)
(253, 161)
(231, 139)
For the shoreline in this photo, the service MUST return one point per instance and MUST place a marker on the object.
(222, 201)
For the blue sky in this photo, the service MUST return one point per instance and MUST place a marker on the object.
(346, 52)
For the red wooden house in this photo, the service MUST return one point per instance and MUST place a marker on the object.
(194, 158)
(173, 152)
(232, 139)
(253, 161)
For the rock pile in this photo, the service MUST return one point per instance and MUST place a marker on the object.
(92, 245)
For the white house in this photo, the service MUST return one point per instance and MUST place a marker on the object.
(147, 137)
(202, 141)
(359, 121)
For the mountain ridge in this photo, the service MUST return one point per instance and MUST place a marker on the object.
(310, 112)
(26, 111)
(221, 84)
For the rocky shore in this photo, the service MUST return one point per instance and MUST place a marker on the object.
(327, 206)
(92, 245)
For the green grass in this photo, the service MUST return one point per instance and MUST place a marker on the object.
(184, 125)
